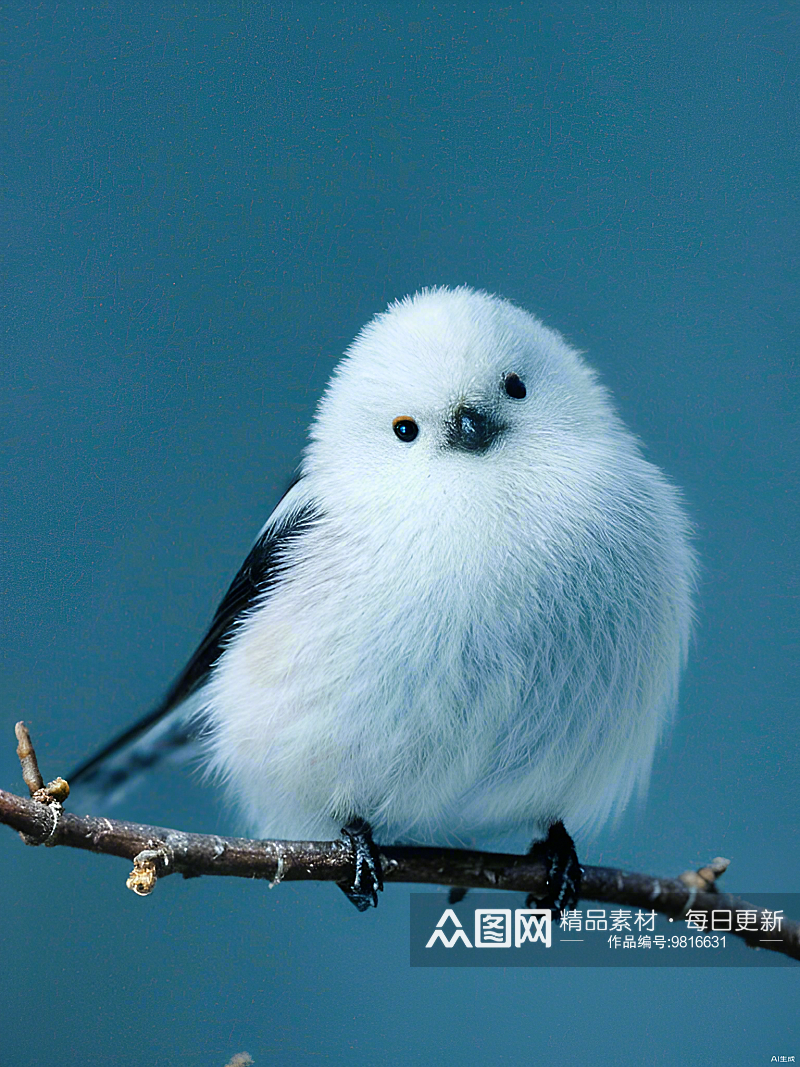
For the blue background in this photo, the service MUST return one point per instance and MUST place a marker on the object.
(202, 204)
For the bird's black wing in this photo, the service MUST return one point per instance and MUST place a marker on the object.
(128, 754)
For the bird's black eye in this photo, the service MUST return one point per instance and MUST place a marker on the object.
(514, 386)
(405, 428)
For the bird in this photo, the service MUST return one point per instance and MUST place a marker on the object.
(464, 623)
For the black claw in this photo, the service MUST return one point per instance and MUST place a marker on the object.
(369, 877)
(564, 872)
(456, 894)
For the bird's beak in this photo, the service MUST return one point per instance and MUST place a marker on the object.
(470, 430)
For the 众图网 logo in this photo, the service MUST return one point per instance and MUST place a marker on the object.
(493, 928)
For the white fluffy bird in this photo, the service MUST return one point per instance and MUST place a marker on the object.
(465, 621)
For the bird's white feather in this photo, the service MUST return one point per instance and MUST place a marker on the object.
(461, 647)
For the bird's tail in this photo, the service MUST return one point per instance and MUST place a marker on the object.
(161, 737)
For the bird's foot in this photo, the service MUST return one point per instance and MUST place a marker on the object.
(456, 894)
(369, 877)
(564, 872)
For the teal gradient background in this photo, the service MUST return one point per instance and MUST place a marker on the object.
(202, 203)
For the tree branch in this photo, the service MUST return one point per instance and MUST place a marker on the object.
(157, 852)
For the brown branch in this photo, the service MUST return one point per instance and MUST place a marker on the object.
(157, 852)
(57, 790)
(31, 775)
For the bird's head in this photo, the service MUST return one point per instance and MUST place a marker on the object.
(455, 395)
